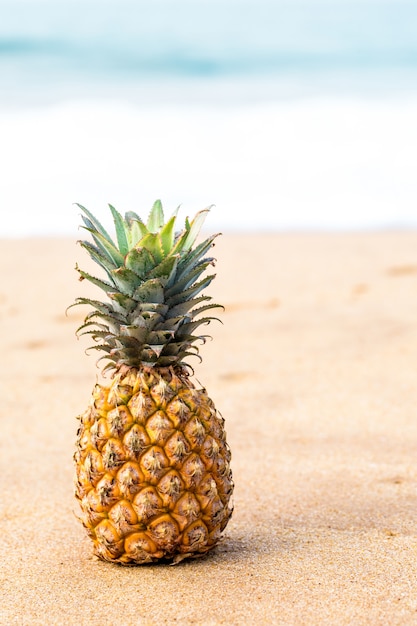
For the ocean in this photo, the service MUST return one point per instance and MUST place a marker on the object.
(283, 114)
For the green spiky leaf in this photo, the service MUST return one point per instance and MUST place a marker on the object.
(190, 293)
(194, 256)
(94, 223)
(137, 228)
(152, 291)
(167, 235)
(125, 280)
(140, 261)
(152, 243)
(121, 231)
(186, 281)
(107, 247)
(165, 269)
(95, 281)
(122, 302)
(156, 218)
(98, 256)
(181, 309)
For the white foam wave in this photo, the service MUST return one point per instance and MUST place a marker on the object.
(334, 163)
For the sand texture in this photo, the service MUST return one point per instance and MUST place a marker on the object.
(314, 370)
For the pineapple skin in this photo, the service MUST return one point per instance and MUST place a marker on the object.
(153, 475)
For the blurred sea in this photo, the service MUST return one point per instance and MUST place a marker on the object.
(286, 114)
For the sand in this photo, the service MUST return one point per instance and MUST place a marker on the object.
(314, 370)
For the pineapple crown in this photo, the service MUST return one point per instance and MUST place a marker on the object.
(153, 285)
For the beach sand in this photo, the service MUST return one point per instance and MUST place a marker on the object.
(314, 370)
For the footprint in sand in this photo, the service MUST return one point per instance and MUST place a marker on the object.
(35, 344)
(401, 270)
(237, 376)
(359, 290)
(274, 303)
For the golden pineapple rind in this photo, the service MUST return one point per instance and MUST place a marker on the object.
(153, 475)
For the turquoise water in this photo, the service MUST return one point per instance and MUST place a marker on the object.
(278, 47)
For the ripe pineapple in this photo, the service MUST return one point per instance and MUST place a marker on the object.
(153, 476)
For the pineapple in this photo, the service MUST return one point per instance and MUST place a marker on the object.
(153, 476)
